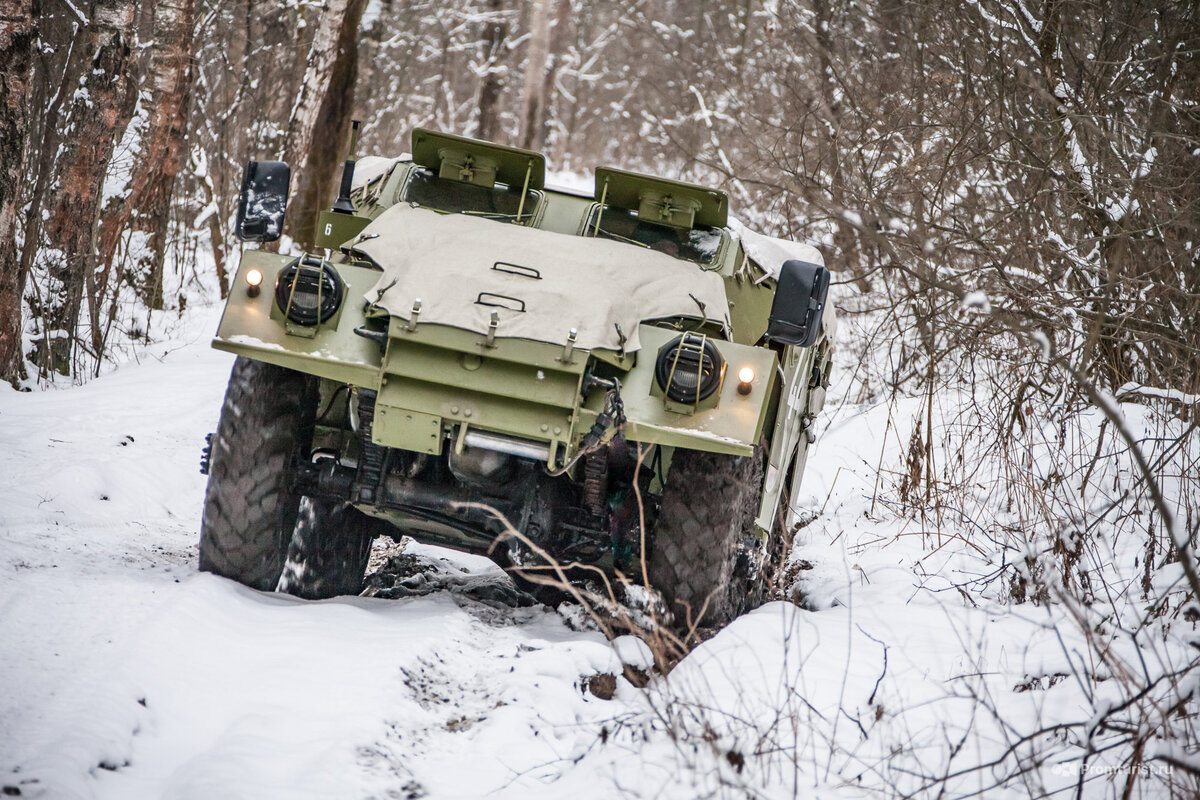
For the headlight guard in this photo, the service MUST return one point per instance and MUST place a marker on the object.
(309, 291)
(689, 368)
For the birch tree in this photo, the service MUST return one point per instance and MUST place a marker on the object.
(311, 97)
(315, 183)
(99, 110)
(147, 204)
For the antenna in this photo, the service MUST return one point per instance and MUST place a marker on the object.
(343, 205)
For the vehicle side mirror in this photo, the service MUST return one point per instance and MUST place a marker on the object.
(799, 303)
(263, 201)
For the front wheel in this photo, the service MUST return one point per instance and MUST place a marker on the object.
(250, 508)
(708, 507)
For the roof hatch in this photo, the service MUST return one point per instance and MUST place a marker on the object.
(471, 161)
(662, 201)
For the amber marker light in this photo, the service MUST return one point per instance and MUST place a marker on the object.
(745, 378)
(253, 282)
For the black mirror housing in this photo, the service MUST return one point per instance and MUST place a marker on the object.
(799, 303)
(263, 201)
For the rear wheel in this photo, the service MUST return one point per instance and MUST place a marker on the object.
(708, 508)
(329, 551)
(250, 507)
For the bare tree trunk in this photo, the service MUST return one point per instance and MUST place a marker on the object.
(216, 231)
(100, 109)
(558, 45)
(16, 58)
(533, 94)
(282, 26)
(49, 94)
(310, 99)
(148, 204)
(494, 34)
(314, 185)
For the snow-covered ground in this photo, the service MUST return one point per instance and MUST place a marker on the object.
(125, 673)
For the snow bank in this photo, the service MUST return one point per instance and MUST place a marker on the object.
(126, 674)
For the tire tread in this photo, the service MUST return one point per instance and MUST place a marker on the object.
(250, 505)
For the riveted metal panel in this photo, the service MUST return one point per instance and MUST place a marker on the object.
(410, 430)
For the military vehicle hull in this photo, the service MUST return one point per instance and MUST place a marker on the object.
(479, 361)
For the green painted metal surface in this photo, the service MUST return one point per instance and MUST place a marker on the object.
(733, 425)
(335, 230)
(481, 163)
(520, 388)
(410, 430)
(254, 326)
(654, 198)
(436, 381)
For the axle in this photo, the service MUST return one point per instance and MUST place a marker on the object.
(468, 506)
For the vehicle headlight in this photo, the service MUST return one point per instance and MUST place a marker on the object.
(689, 368)
(309, 291)
(745, 380)
(254, 279)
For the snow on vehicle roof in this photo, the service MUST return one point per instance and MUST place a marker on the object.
(370, 168)
(769, 252)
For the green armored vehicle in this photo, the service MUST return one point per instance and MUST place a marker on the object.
(625, 378)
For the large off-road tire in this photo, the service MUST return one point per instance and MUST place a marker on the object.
(329, 550)
(759, 565)
(250, 507)
(708, 508)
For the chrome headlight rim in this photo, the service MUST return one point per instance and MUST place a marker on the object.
(689, 368)
(318, 286)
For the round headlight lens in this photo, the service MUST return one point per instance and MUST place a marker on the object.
(309, 291)
(689, 368)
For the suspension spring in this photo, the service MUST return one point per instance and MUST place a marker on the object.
(595, 482)
(372, 458)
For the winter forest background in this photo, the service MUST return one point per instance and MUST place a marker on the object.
(1007, 192)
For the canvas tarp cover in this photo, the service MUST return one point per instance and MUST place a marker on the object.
(591, 285)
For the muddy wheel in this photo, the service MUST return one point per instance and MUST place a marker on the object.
(250, 507)
(758, 566)
(329, 551)
(708, 509)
